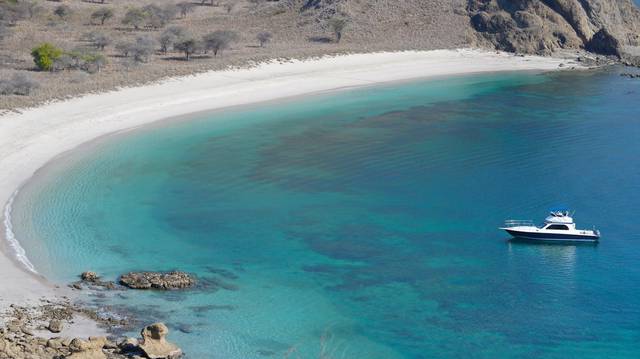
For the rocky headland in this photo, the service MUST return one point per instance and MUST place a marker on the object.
(606, 27)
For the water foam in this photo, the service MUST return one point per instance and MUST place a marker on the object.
(18, 251)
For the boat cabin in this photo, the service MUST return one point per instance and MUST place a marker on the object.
(560, 221)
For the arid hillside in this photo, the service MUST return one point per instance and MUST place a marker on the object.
(55, 49)
(159, 31)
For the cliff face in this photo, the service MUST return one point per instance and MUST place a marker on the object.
(610, 27)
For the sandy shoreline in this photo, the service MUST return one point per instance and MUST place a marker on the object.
(33, 137)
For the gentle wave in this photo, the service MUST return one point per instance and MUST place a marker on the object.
(18, 251)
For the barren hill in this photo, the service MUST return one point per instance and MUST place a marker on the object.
(294, 29)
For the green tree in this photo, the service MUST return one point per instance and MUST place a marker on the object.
(45, 55)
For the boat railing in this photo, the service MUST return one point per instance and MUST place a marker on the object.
(518, 223)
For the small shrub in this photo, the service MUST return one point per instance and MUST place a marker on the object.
(62, 11)
(19, 84)
(65, 62)
(93, 62)
(45, 55)
(263, 38)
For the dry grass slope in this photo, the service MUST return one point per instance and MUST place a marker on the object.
(299, 29)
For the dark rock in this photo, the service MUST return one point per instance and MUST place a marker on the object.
(55, 326)
(544, 26)
(129, 345)
(89, 276)
(157, 280)
(603, 42)
(629, 75)
(76, 285)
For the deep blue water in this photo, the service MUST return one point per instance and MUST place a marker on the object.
(363, 223)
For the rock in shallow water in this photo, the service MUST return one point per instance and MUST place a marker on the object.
(89, 276)
(157, 280)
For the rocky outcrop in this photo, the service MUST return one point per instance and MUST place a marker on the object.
(92, 280)
(157, 280)
(16, 343)
(88, 349)
(606, 27)
(89, 276)
(19, 337)
(603, 42)
(154, 343)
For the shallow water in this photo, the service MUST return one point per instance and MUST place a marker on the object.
(363, 223)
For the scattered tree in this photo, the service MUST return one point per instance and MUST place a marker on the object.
(103, 14)
(143, 48)
(188, 45)
(93, 62)
(170, 36)
(157, 17)
(19, 84)
(44, 56)
(99, 39)
(185, 8)
(264, 37)
(218, 41)
(62, 11)
(204, 2)
(124, 48)
(337, 25)
(82, 58)
(228, 7)
(135, 17)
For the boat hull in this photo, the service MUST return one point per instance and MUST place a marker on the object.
(552, 237)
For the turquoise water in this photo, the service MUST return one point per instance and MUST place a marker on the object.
(363, 223)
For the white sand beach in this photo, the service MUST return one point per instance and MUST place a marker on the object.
(32, 137)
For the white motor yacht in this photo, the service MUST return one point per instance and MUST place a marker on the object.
(558, 227)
